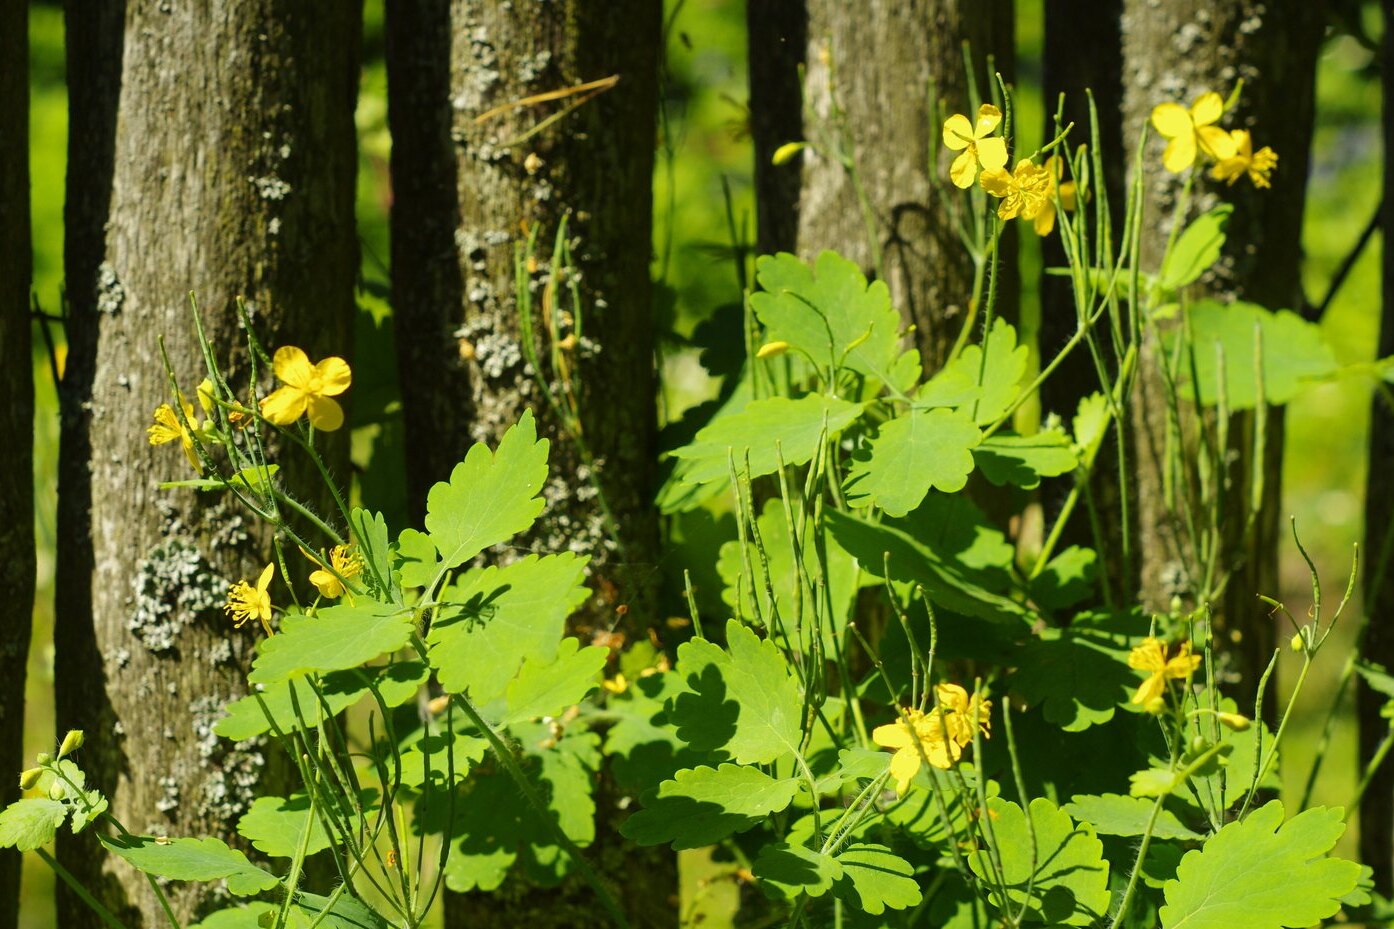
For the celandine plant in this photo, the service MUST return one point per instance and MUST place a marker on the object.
(904, 719)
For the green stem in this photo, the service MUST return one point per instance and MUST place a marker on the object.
(76, 887)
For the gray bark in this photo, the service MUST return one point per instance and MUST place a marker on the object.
(879, 61)
(465, 195)
(1176, 51)
(1377, 807)
(211, 149)
(16, 421)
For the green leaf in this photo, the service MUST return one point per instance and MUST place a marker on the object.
(641, 746)
(466, 751)
(1240, 760)
(982, 390)
(910, 455)
(246, 717)
(786, 871)
(1269, 873)
(765, 429)
(1091, 420)
(1066, 579)
(247, 916)
(1112, 814)
(1197, 248)
(1078, 676)
(347, 912)
(704, 805)
(1022, 460)
(917, 813)
(947, 582)
(370, 531)
(490, 497)
(346, 635)
(28, 824)
(193, 860)
(496, 618)
(418, 564)
(743, 700)
(275, 825)
(829, 313)
(1065, 880)
(878, 879)
(1294, 353)
(744, 591)
(546, 688)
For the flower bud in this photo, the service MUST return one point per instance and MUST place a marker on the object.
(57, 790)
(205, 396)
(71, 742)
(772, 349)
(1235, 721)
(786, 152)
(43, 758)
(29, 778)
(1297, 644)
(1198, 744)
(1155, 706)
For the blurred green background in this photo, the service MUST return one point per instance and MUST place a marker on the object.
(704, 151)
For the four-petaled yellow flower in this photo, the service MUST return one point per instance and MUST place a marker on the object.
(169, 428)
(965, 715)
(976, 143)
(246, 603)
(347, 564)
(1023, 193)
(1189, 130)
(307, 389)
(1152, 656)
(1045, 219)
(1257, 164)
(917, 737)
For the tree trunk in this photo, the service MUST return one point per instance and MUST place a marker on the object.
(477, 168)
(777, 36)
(1083, 52)
(1174, 52)
(1377, 807)
(879, 64)
(16, 420)
(212, 149)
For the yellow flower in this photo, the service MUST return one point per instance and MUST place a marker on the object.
(1045, 219)
(1023, 192)
(1257, 164)
(915, 737)
(1190, 129)
(616, 685)
(307, 389)
(344, 560)
(246, 603)
(169, 428)
(1151, 656)
(962, 712)
(977, 144)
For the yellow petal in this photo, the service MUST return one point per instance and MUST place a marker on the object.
(1172, 120)
(1180, 153)
(996, 182)
(892, 735)
(325, 415)
(989, 117)
(292, 366)
(267, 574)
(284, 406)
(961, 171)
(1207, 109)
(187, 441)
(905, 764)
(1067, 195)
(333, 375)
(1151, 689)
(1216, 142)
(958, 132)
(952, 697)
(992, 153)
(1149, 656)
(327, 584)
(1045, 219)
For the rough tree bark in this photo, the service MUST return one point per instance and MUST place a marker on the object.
(1377, 808)
(1176, 51)
(878, 63)
(16, 421)
(467, 193)
(211, 149)
(777, 36)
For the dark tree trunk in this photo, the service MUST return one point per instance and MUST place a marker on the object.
(1083, 52)
(777, 36)
(1377, 807)
(878, 63)
(1176, 51)
(477, 168)
(211, 150)
(16, 421)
